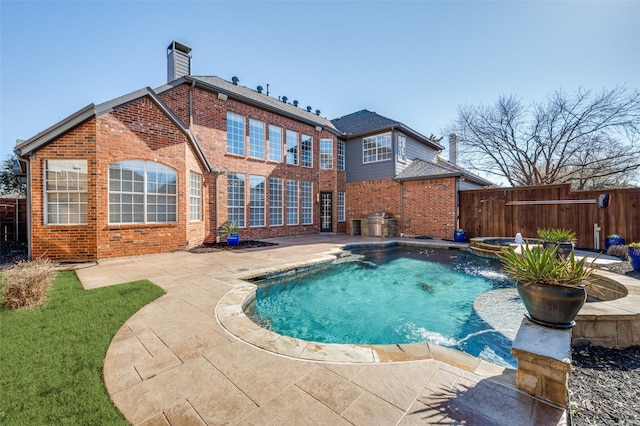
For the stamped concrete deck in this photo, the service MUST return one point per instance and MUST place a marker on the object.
(173, 363)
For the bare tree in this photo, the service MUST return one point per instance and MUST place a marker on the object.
(588, 139)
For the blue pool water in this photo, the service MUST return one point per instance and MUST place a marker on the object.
(386, 296)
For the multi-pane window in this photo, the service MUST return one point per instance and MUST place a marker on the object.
(235, 133)
(275, 202)
(306, 151)
(275, 143)
(256, 138)
(306, 195)
(66, 192)
(292, 202)
(326, 153)
(257, 200)
(195, 196)
(341, 210)
(292, 147)
(235, 198)
(376, 148)
(402, 147)
(142, 192)
(340, 155)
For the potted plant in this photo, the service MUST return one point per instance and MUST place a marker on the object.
(559, 237)
(551, 287)
(230, 231)
(459, 236)
(634, 255)
(613, 240)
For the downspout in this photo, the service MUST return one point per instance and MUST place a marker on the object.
(29, 236)
(401, 209)
(457, 207)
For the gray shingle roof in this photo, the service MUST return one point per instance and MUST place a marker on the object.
(363, 121)
(420, 169)
(367, 122)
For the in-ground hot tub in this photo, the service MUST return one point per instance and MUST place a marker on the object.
(491, 246)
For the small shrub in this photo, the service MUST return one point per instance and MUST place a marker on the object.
(26, 284)
(619, 251)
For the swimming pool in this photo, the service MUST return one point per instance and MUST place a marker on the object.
(392, 295)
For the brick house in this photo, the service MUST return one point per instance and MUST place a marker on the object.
(161, 169)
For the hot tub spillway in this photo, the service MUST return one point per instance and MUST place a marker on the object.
(491, 247)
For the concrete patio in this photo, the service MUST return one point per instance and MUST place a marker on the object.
(173, 363)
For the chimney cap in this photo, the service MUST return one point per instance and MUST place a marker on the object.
(177, 45)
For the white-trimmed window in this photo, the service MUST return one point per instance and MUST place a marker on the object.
(402, 148)
(275, 202)
(256, 138)
(326, 153)
(292, 147)
(275, 143)
(340, 155)
(195, 196)
(306, 195)
(257, 203)
(306, 151)
(341, 207)
(292, 202)
(235, 133)
(65, 191)
(142, 192)
(235, 198)
(376, 148)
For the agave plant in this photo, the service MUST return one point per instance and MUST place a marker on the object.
(556, 235)
(229, 228)
(542, 265)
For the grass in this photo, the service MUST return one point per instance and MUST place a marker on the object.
(51, 357)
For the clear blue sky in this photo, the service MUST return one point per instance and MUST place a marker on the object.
(414, 62)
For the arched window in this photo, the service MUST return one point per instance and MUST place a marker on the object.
(142, 192)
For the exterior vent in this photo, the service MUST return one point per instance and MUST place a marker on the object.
(178, 61)
(295, 103)
(260, 89)
(317, 112)
(285, 99)
(309, 109)
(235, 80)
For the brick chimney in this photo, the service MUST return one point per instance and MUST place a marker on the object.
(178, 61)
(453, 148)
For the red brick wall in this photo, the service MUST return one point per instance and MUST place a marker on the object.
(65, 242)
(422, 208)
(429, 208)
(209, 119)
(135, 131)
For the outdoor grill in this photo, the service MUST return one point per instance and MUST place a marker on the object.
(376, 222)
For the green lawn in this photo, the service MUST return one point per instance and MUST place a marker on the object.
(51, 357)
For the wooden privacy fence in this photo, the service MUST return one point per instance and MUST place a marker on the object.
(13, 220)
(490, 212)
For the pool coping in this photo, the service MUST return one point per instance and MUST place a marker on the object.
(230, 315)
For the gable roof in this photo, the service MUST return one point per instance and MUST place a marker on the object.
(365, 122)
(90, 111)
(252, 97)
(420, 169)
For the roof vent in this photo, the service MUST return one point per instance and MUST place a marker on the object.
(260, 89)
(235, 80)
(309, 109)
(178, 61)
(285, 99)
(317, 112)
(295, 103)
